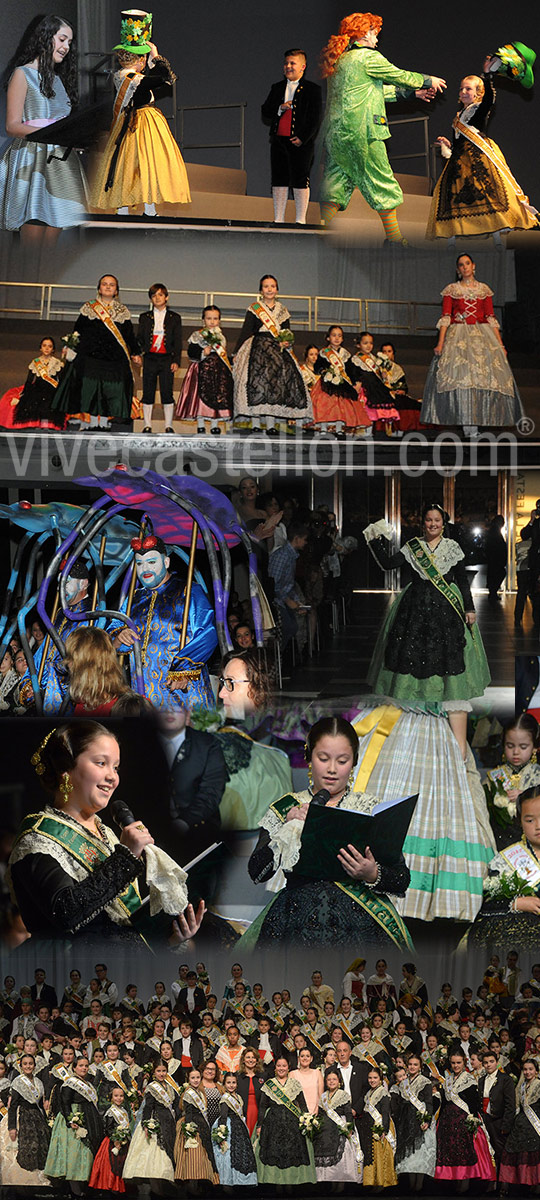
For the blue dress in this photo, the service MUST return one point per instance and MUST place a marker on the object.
(236, 1165)
(32, 188)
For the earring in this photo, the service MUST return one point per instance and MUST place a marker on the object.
(66, 787)
(310, 775)
(351, 779)
(534, 757)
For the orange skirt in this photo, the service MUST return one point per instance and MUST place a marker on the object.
(330, 410)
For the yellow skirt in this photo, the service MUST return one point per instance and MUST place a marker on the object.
(472, 197)
(149, 170)
(381, 1173)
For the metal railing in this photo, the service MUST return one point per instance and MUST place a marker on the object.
(425, 153)
(56, 301)
(239, 145)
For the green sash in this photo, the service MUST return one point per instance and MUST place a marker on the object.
(274, 1089)
(82, 846)
(379, 908)
(435, 577)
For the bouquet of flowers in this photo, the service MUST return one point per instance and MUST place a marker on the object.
(472, 1124)
(333, 376)
(120, 1138)
(285, 338)
(422, 1117)
(507, 885)
(76, 1122)
(310, 1125)
(190, 1132)
(498, 783)
(208, 720)
(211, 338)
(219, 1138)
(71, 340)
(377, 1132)
(151, 1127)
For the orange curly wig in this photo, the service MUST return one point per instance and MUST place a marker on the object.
(356, 25)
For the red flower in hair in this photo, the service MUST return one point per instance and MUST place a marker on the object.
(141, 545)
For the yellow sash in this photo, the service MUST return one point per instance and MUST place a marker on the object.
(495, 157)
(120, 98)
(336, 361)
(40, 369)
(383, 720)
(218, 350)
(105, 316)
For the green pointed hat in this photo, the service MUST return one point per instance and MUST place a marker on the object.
(135, 31)
(518, 62)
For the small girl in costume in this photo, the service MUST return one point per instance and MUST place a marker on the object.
(477, 192)
(235, 1159)
(267, 378)
(518, 771)
(309, 374)
(511, 907)
(366, 369)
(29, 407)
(378, 1134)
(141, 163)
(111, 1156)
(336, 401)
(207, 390)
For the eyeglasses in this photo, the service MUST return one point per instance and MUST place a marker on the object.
(229, 684)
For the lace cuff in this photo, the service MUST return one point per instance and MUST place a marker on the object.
(444, 322)
(166, 883)
(77, 906)
(493, 322)
(378, 529)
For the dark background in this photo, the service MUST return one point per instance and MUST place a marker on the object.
(233, 52)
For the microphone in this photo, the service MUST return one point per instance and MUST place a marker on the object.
(321, 797)
(121, 814)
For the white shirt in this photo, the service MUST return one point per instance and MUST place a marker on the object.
(290, 90)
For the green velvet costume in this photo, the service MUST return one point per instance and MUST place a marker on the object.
(356, 126)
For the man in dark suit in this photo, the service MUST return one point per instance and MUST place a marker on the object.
(293, 110)
(41, 992)
(354, 1075)
(196, 782)
(497, 1103)
(160, 338)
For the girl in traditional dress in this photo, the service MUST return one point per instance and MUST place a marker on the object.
(476, 193)
(283, 1154)
(207, 390)
(517, 772)
(24, 1132)
(311, 354)
(41, 191)
(511, 908)
(111, 1156)
(378, 1134)
(321, 912)
(338, 1156)
(268, 381)
(336, 401)
(77, 1132)
(29, 406)
(97, 385)
(150, 1157)
(235, 1159)
(193, 1149)
(520, 1162)
(469, 381)
(141, 164)
(463, 1149)
(366, 371)
(380, 985)
(416, 1151)
(428, 651)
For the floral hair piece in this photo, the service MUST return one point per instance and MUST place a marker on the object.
(36, 757)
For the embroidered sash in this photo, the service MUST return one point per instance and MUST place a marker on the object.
(83, 1088)
(521, 860)
(527, 1109)
(196, 1099)
(219, 349)
(118, 105)
(432, 573)
(366, 1057)
(276, 1092)
(105, 317)
(264, 317)
(377, 1119)
(119, 1115)
(111, 1071)
(407, 1091)
(335, 361)
(38, 367)
(432, 1065)
(160, 1093)
(83, 847)
(173, 1084)
(235, 1103)
(495, 157)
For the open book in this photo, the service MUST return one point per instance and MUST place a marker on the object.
(328, 830)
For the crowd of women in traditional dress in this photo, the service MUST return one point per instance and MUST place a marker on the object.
(111, 1092)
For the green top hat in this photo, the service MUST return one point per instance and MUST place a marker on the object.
(135, 31)
(518, 61)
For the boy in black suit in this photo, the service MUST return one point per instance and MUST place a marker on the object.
(293, 109)
(160, 338)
